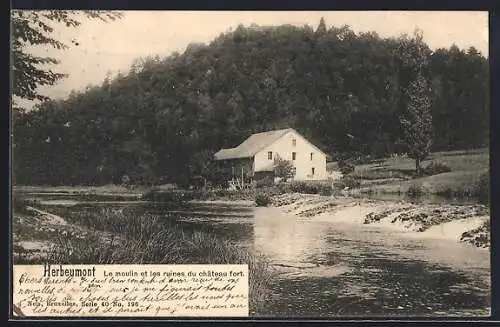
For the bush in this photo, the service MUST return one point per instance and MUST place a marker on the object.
(447, 192)
(305, 188)
(480, 190)
(346, 166)
(262, 200)
(264, 182)
(20, 202)
(325, 190)
(283, 168)
(350, 181)
(482, 187)
(415, 190)
(435, 168)
(284, 188)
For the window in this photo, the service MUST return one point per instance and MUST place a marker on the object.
(294, 155)
(312, 171)
(294, 142)
(312, 156)
(270, 155)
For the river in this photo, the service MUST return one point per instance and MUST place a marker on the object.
(330, 266)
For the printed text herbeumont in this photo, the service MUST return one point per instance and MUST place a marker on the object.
(67, 272)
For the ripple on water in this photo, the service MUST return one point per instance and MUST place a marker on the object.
(379, 287)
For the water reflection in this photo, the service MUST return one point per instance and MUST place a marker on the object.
(333, 266)
(287, 239)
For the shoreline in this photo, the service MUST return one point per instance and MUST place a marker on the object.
(462, 223)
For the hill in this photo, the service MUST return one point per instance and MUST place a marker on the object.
(342, 90)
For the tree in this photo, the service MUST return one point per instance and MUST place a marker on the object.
(417, 122)
(346, 92)
(283, 168)
(35, 28)
(202, 164)
(321, 27)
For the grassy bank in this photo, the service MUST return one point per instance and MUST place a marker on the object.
(461, 174)
(118, 236)
(452, 174)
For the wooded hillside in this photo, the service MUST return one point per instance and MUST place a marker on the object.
(343, 91)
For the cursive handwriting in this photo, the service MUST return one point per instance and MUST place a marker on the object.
(135, 290)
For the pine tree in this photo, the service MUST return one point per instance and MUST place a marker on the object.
(321, 27)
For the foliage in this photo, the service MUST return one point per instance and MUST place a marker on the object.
(262, 200)
(283, 169)
(20, 202)
(161, 121)
(346, 166)
(478, 189)
(435, 168)
(416, 121)
(326, 190)
(264, 182)
(349, 181)
(121, 236)
(415, 190)
(482, 187)
(202, 164)
(303, 187)
(36, 28)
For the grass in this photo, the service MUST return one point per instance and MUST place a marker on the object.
(402, 166)
(77, 189)
(396, 174)
(120, 236)
(454, 173)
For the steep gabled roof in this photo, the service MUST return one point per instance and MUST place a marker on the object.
(252, 145)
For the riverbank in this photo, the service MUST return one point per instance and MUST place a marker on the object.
(467, 223)
(463, 223)
(448, 174)
(316, 267)
(106, 235)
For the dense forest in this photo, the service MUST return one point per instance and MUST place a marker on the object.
(161, 121)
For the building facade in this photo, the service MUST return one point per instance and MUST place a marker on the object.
(260, 151)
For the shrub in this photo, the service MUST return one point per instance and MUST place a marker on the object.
(305, 188)
(262, 200)
(350, 181)
(284, 188)
(415, 190)
(346, 166)
(283, 168)
(480, 190)
(264, 182)
(482, 187)
(20, 202)
(435, 168)
(325, 190)
(447, 192)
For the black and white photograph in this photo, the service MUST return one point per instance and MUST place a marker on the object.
(342, 155)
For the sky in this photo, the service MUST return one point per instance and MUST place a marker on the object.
(107, 48)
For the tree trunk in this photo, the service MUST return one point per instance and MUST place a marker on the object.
(417, 166)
